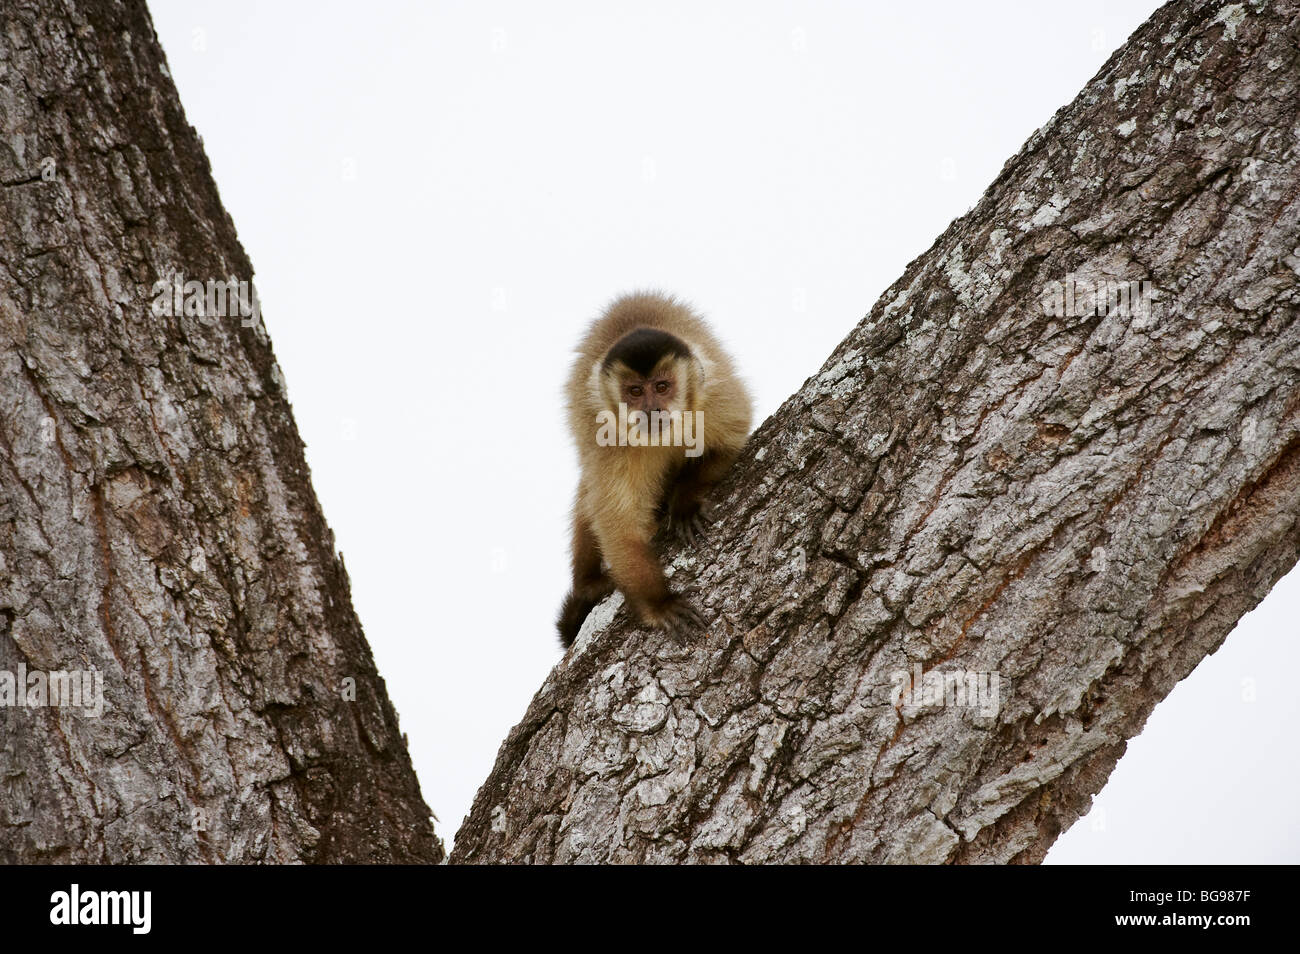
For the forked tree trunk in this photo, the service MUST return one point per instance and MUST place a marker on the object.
(157, 521)
(1079, 505)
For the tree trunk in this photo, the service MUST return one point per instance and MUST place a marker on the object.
(157, 521)
(986, 480)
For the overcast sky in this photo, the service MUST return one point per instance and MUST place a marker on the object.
(438, 196)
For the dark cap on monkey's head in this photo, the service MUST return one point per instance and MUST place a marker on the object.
(643, 348)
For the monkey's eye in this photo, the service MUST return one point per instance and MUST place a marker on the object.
(635, 390)
(661, 387)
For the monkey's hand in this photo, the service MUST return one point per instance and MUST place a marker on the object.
(688, 518)
(675, 615)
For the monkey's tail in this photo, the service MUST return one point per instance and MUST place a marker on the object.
(577, 605)
(572, 613)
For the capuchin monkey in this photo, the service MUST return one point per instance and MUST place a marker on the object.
(658, 416)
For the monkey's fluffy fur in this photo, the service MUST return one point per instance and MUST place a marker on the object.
(654, 347)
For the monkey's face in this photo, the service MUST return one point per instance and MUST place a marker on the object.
(660, 390)
(647, 370)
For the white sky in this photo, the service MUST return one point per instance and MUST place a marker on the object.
(437, 196)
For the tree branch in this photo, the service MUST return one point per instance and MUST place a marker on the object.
(984, 480)
(158, 528)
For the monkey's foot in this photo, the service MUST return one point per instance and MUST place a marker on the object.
(689, 524)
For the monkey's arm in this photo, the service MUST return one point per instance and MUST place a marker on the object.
(625, 541)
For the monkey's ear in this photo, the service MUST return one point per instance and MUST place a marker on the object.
(703, 370)
(602, 386)
(594, 380)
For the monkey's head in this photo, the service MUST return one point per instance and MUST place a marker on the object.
(648, 370)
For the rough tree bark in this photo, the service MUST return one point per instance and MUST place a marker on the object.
(1083, 506)
(157, 521)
